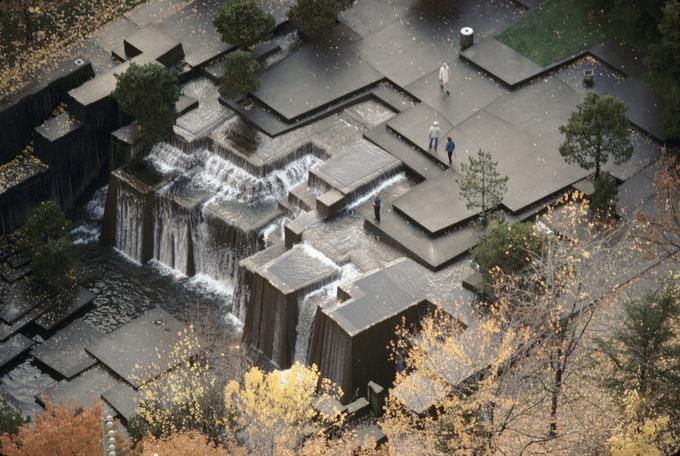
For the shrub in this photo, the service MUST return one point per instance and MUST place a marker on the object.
(242, 23)
(603, 201)
(149, 93)
(240, 75)
(190, 443)
(507, 247)
(58, 431)
(10, 419)
(315, 17)
(46, 237)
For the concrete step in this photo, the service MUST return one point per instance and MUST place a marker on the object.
(394, 99)
(303, 196)
(412, 159)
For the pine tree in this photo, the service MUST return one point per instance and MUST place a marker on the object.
(482, 186)
(597, 129)
(645, 352)
(240, 75)
(243, 23)
(149, 93)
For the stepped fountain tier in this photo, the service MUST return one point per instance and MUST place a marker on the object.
(196, 211)
(277, 281)
(351, 335)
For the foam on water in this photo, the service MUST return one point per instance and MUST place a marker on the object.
(379, 188)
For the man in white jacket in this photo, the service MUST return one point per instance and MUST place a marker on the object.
(433, 136)
(444, 77)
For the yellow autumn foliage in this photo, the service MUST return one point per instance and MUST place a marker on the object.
(273, 412)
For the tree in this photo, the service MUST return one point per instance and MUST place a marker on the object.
(188, 443)
(46, 236)
(10, 419)
(664, 64)
(61, 430)
(603, 201)
(508, 248)
(642, 16)
(187, 398)
(636, 435)
(315, 18)
(149, 93)
(645, 351)
(27, 8)
(482, 185)
(662, 229)
(597, 129)
(275, 412)
(243, 23)
(240, 75)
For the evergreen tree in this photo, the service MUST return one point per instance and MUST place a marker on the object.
(645, 351)
(603, 201)
(664, 63)
(149, 93)
(243, 23)
(240, 75)
(597, 129)
(482, 186)
(315, 18)
(46, 236)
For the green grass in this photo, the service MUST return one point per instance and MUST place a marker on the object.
(557, 29)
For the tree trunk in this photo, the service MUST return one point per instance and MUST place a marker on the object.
(557, 389)
(27, 21)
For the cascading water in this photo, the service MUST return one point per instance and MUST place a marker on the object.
(307, 306)
(230, 182)
(129, 223)
(206, 213)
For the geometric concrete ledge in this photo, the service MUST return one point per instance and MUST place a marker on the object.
(58, 313)
(13, 347)
(501, 61)
(82, 390)
(142, 349)
(65, 351)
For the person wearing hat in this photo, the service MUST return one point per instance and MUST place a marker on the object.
(433, 136)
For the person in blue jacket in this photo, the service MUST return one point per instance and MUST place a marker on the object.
(376, 207)
(450, 147)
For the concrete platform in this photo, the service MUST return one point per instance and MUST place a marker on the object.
(312, 78)
(123, 398)
(350, 341)
(414, 124)
(17, 300)
(470, 90)
(192, 26)
(621, 56)
(435, 205)
(644, 106)
(58, 313)
(354, 168)
(275, 289)
(535, 168)
(501, 61)
(413, 159)
(433, 253)
(141, 350)
(65, 351)
(14, 347)
(81, 391)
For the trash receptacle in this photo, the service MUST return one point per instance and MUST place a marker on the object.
(467, 37)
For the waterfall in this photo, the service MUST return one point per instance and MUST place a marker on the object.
(371, 192)
(129, 223)
(232, 183)
(166, 158)
(307, 306)
(172, 234)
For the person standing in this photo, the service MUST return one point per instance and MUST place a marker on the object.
(444, 77)
(376, 207)
(433, 136)
(450, 147)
